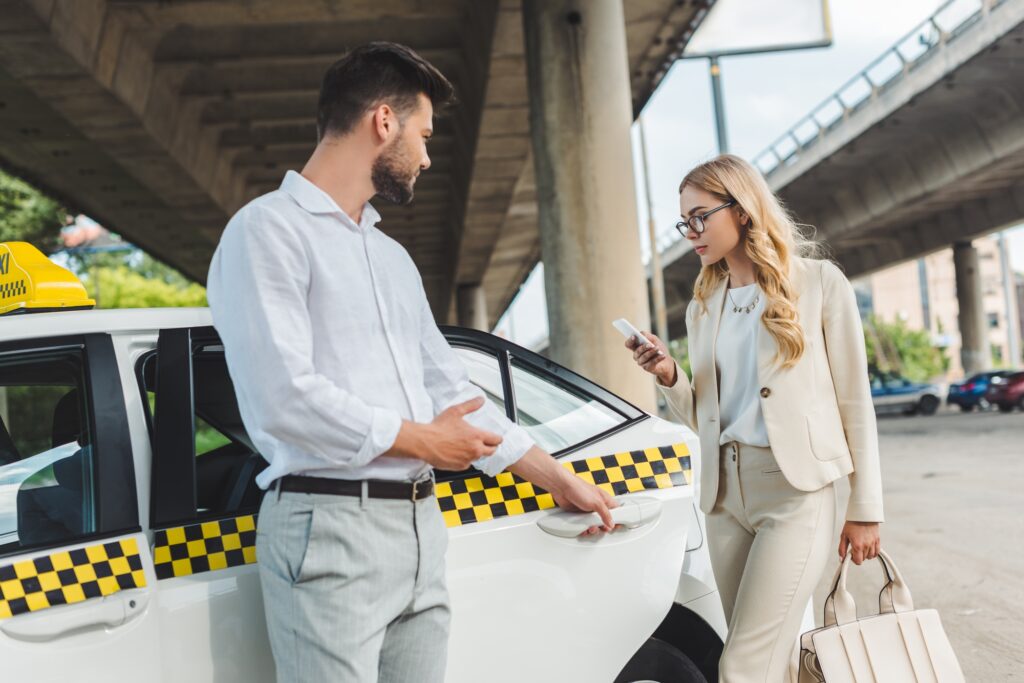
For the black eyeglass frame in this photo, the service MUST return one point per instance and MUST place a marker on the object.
(692, 222)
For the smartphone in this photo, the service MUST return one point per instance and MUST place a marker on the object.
(629, 330)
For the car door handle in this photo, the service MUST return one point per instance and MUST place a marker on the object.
(633, 512)
(48, 624)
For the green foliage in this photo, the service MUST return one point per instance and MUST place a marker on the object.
(208, 438)
(893, 347)
(27, 215)
(679, 350)
(123, 287)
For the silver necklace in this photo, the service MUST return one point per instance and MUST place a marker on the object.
(744, 309)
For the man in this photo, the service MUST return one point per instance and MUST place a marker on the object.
(351, 393)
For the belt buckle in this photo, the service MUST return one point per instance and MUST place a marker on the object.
(415, 486)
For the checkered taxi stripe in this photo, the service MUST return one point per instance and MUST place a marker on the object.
(70, 576)
(204, 547)
(13, 288)
(209, 546)
(479, 499)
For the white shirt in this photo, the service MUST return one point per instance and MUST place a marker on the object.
(330, 341)
(739, 399)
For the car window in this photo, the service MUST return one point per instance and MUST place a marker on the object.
(484, 372)
(226, 460)
(555, 415)
(47, 488)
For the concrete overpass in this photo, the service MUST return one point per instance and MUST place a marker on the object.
(921, 150)
(161, 118)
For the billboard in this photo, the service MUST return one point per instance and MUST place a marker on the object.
(739, 27)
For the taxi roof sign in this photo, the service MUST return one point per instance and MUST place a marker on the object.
(30, 282)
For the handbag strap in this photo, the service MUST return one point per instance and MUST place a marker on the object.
(840, 607)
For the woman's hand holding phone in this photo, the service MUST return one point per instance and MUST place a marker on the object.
(651, 354)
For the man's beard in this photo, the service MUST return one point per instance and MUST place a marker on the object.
(390, 175)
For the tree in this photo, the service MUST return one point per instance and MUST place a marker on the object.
(126, 277)
(680, 352)
(122, 287)
(893, 347)
(27, 215)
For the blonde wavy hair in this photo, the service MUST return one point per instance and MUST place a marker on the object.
(771, 240)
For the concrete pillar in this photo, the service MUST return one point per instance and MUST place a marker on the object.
(580, 117)
(472, 307)
(974, 349)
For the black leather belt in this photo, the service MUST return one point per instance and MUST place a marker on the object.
(398, 490)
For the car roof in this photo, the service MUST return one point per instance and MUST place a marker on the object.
(113, 321)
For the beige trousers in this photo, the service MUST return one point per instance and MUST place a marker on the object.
(769, 544)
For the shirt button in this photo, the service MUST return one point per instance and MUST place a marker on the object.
(765, 392)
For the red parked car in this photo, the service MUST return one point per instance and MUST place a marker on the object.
(1007, 392)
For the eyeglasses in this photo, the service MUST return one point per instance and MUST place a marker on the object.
(696, 223)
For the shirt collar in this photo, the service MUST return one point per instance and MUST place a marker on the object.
(314, 200)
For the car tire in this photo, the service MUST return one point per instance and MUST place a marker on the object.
(966, 407)
(1020, 403)
(928, 405)
(1005, 407)
(659, 661)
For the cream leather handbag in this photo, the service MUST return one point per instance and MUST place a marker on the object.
(898, 645)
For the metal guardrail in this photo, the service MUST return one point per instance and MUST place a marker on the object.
(926, 39)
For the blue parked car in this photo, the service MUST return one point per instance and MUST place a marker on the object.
(970, 394)
(895, 394)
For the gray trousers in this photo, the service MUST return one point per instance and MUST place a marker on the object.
(354, 589)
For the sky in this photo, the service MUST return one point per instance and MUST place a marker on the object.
(764, 96)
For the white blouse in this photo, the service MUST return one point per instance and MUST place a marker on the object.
(736, 362)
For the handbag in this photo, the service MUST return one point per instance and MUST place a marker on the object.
(900, 644)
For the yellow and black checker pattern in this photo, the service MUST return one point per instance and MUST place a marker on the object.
(204, 547)
(479, 499)
(13, 288)
(70, 576)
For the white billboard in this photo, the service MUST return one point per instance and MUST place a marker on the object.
(737, 27)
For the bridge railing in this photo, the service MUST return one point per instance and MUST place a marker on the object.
(929, 37)
(921, 44)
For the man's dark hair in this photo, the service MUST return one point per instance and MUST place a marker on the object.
(374, 74)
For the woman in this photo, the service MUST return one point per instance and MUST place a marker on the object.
(781, 401)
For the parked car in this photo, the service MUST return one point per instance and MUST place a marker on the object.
(1007, 392)
(894, 394)
(129, 512)
(970, 393)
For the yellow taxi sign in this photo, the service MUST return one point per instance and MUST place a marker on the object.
(31, 282)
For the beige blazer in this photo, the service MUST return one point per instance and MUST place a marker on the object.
(819, 415)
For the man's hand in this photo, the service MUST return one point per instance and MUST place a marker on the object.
(579, 496)
(569, 491)
(449, 442)
(863, 540)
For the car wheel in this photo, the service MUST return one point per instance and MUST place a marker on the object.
(928, 405)
(1020, 402)
(966, 407)
(1005, 407)
(658, 661)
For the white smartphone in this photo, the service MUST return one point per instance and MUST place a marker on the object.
(628, 330)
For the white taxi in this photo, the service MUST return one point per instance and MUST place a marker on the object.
(128, 512)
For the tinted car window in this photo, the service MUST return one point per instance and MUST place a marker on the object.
(46, 455)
